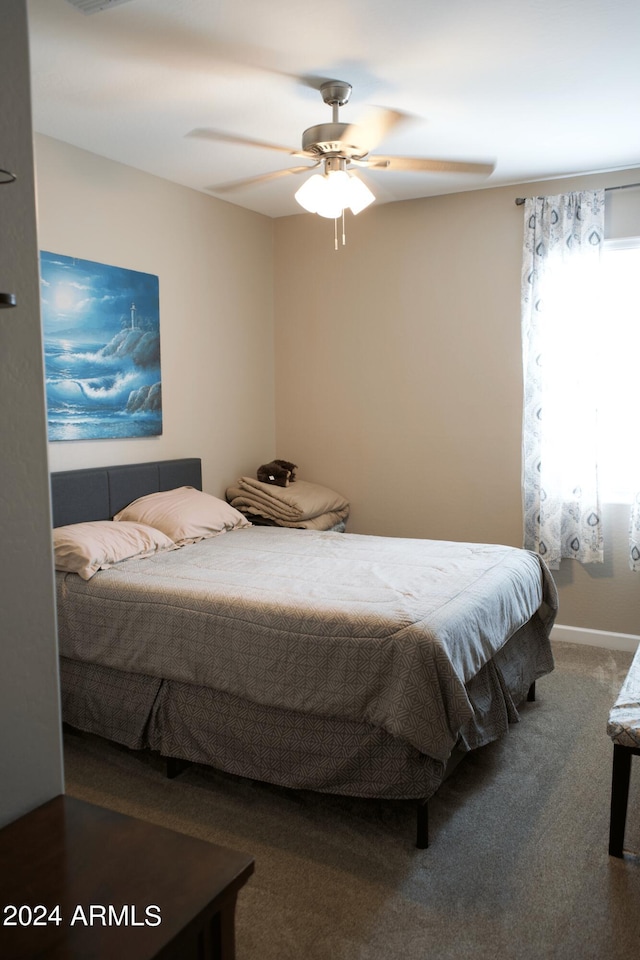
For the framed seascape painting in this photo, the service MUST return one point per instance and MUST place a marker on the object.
(101, 327)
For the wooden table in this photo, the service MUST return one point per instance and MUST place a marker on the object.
(78, 882)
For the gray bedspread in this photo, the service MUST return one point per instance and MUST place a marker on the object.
(362, 628)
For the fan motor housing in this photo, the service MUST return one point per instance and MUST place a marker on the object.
(327, 139)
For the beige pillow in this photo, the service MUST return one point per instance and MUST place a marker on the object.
(85, 548)
(184, 514)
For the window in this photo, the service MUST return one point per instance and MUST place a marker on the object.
(581, 363)
(619, 362)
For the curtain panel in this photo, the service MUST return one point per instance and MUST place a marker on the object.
(563, 237)
(634, 535)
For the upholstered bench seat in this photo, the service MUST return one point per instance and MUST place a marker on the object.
(624, 729)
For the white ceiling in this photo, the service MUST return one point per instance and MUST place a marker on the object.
(545, 88)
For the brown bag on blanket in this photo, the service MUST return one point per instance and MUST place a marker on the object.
(279, 472)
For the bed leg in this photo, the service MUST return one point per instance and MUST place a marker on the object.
(620, 777)
(174, 767)
(422, 823)
(531, 695)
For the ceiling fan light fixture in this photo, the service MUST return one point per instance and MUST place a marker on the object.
(329, 194)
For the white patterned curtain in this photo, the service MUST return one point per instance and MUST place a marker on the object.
(634, 535)
(563, 236)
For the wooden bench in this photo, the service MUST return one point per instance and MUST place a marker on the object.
(77, 880)
(624, 729)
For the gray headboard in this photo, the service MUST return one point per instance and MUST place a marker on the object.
(97, 493)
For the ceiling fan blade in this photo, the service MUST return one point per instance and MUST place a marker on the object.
(426, 165)
(207, 134)
(375, 127)
(310, 80)
(262, 178)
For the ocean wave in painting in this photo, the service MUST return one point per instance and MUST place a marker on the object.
(111, 391)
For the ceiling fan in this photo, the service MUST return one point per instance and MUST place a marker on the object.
(339, 147)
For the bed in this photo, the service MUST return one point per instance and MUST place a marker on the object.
(335, 662)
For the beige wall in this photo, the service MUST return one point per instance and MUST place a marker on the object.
(214, 263)
(399, 379)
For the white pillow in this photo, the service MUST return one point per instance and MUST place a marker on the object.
(85, 548)
(185, 514)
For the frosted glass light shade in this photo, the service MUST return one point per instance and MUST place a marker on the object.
(359, 194)
(310, 193)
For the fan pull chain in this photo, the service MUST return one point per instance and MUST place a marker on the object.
(335, 233)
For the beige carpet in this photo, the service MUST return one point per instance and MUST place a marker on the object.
(518, 864)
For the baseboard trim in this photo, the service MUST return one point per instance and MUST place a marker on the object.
(596, 638)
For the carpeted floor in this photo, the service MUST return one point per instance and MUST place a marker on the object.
(517, 867)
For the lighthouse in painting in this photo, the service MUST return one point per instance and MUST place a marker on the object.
(133, 315)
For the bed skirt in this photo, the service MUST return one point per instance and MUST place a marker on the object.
(284, 747)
